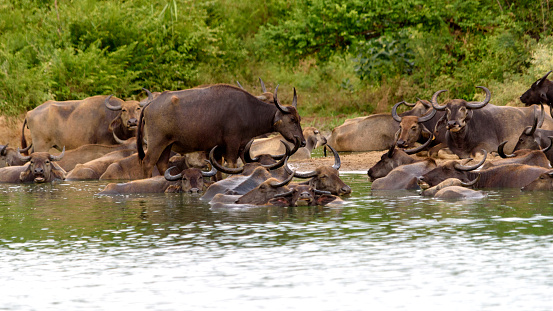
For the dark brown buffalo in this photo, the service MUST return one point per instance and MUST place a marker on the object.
(190, 180)
(473, 126)
(237, 184)
(41, 168)
(10, 157)
(92, 170)
(524, 156)
(543, 182)
(201, 118)
(541, 91)
(75, 123)
(535, 138)
(404, 177)
(394, 158)
(303, 195)
(261, 194)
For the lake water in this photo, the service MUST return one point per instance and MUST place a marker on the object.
(64, 248)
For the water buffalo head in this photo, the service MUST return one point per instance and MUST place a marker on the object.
(127, 119)
(9, 156)
(302, 195)
(541, 91)
(314, 137)
(529, 139)
(41, 167)
(265, 191)
(459, 111)
(287, 120)
(450, 169)
(431, 191)
(410, 127)
(543, 182)
(192, 179)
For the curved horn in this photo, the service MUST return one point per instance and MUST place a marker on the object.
(117, 139)
(542, 115)
(434, 100)
(394, 111)
(427, 117)
(295, 100)
(281, 162)
(22, 158)
(478, 105)
(530, 130)
(150, 97)
(25, 149)
(284, 182)
(285, 194)
(240, 85)
(317, 191)
(3, 151)
(170, 177)
(210, 173)
(470, 168)
(219, 167)
(262, 86)
(277, 104)
(471, 183)
(247, 155)
(300, 175)
(543, 78)
(550, 144)
(58, 157)
(110, 106)
(337, 162)
(502, 153)
(423, 146)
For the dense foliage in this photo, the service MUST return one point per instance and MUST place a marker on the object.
(344, 56)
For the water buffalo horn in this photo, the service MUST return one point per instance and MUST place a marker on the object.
(281, 162)
(262, 86)
(543, 78)
(284, 182)
(550, 144)
(219, 167)
(390, 152)
(321, 191)
(110, 106)
(295, 100)
(394, 111)
(285, 194)
(542, 115)
(247, 155)
(25, 149)
(150, 98)
(502, 153)
(210, 173)
(427, 117)
(58, 157)
(117, 139)
(3, 151)
(22, 158)
(170, 177)
(434, 100)
(530, 130)
(471, 183)
(423, 146)
(337, 162)
(470, 168)
(240, 85)
(282, 109)
(478, 105)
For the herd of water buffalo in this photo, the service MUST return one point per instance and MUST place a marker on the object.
(178, 141)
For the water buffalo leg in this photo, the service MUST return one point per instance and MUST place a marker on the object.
(163, 162)
(151, 158)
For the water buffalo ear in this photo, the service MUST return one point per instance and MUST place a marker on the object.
(543, 97)
(116, 123)
(325, 199)
(283, 202)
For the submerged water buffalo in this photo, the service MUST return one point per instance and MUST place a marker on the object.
(70, 124)
(92, 170)
(41, 167)
(428, 191)
(542, 182)
(473, 126)
(539, 92)
(219, 115)
(303, 195)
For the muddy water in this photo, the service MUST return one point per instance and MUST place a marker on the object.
(63, 248)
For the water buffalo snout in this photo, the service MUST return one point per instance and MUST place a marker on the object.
(39, 170)
(345, 190)
(401, 143)
(305, 195)
(194, 190)
(132, 122)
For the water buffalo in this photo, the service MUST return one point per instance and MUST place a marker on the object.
(535, 138)
(10, 157)
(393, 158)
(74, 123)
(411, 128)
(41, 168)
(219, 115)
(524, 156)
(541, 91)
(303, 195)
(457, 192)
(473, 126)
(374, 132)
(431, 191)
(92, 170)
(404, 177)
(272, 145)
(543, 182)
(261, 194)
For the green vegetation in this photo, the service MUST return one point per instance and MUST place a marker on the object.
(345, 57)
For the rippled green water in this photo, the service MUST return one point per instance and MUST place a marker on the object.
(63, 248)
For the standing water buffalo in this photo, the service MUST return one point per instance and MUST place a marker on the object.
(74, 123)
(41, 168)
(541, 91)
(201, 118)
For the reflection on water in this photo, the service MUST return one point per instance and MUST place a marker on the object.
(65, 248)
